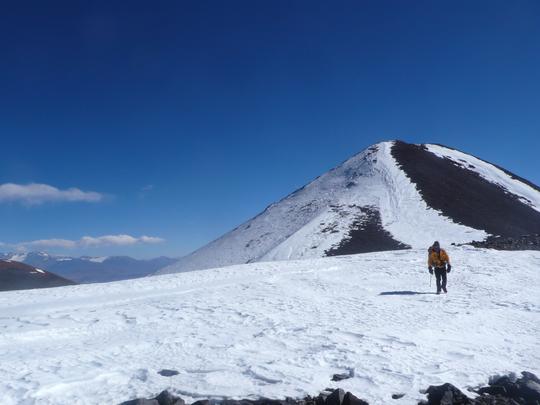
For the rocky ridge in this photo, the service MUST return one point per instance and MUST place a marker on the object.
(524, 242)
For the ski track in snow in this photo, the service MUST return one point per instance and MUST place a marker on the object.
(275, 329)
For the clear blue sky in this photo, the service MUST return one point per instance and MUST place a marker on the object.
(189, 117)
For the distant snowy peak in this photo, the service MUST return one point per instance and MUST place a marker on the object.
(22, 257)
(393, 195)
(28, 256)
(89, 269)
(15, 257)
(99, 259)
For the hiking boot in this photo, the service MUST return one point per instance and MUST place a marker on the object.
(438, 291)
(444, 289)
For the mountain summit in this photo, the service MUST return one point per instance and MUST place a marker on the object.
(393, 195)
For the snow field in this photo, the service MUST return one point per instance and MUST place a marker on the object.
(275, 329)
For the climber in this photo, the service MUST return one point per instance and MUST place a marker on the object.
(439, 262)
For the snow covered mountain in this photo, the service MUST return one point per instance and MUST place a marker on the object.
(393, 195)
(20, 276)
(87, 269)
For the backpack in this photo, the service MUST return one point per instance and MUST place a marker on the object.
(430, 251)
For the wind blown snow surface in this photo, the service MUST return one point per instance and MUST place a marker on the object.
(275, 329)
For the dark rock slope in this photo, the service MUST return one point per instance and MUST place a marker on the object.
(463, 195)
(20, 276)
(367, 235)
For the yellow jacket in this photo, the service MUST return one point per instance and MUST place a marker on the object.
(438, 259)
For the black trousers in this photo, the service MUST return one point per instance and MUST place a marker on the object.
(440, 275)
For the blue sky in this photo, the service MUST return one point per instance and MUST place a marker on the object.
(189, 117)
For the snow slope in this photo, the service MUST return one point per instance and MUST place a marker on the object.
(275, 329)
(318, 218)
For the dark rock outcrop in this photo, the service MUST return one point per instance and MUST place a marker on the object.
(524, 242)
(524, 390)
(343, 376)
(350, 399)
(167, 373)
(164, 398)
(340, 377)
(335, 397)
(446, 394)
(141, 401)
(506, 390)
(201, 402)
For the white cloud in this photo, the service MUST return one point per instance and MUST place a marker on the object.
(35, 193)
(87, 241)
(151, 239)
(49, 243)
(117, 240)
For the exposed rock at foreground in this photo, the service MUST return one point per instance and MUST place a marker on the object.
(506, 390)
(335, 397)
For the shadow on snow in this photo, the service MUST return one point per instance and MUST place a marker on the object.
(405, 293)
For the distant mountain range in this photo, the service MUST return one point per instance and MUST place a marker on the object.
(88, 269)
(393, 195)
(20, 276)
